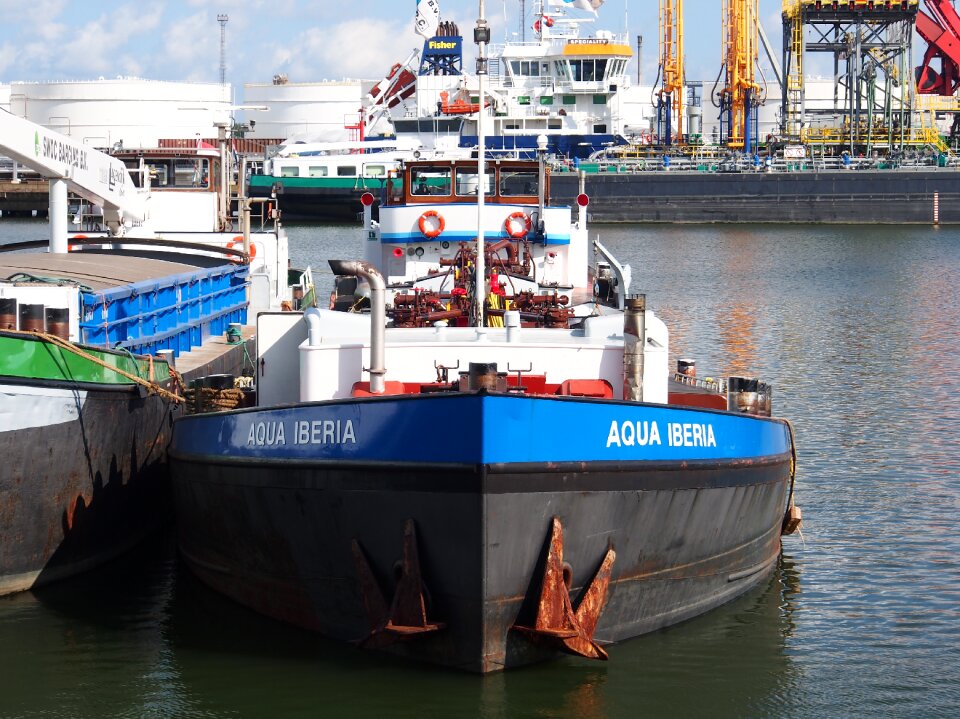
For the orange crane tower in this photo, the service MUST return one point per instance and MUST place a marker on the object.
(740, 96)
(670, 95)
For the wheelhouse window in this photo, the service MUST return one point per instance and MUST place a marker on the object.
(429, 180)
(159, 174)
(588, 70)
(181, 173)
(529, 68)
(468, 181)
(191, 173)
(519, 182)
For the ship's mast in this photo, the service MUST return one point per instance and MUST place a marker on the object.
(481, 35)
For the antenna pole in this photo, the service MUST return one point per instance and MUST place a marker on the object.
(222, 19)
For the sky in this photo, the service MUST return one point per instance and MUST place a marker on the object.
(308, 40)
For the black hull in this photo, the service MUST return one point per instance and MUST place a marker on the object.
(322, 204)
(76, 494)
(829, 197)
(277, 538)
(854, 196)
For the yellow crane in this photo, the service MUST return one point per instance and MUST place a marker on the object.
(741, 94)
(793, 91)
(670, 95)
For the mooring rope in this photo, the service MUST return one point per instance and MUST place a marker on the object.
(70, 347)
(27, 277)
(793, 462)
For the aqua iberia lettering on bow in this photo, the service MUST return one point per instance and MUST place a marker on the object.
(301, 431)
(646, 433)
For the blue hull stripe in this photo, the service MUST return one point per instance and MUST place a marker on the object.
(479, 429)
(400, 238)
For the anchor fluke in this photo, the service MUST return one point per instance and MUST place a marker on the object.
(557, 624)
(406, 616)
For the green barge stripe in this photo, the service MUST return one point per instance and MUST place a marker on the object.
(34, 358)
(339, 183)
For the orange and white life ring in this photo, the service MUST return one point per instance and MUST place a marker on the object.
(435, 231)
(238, 240)
(517, 224)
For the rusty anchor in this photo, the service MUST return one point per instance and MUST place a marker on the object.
(406, 616)
(557, 623)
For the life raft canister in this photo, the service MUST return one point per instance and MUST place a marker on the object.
(434, 230)
(517, 225)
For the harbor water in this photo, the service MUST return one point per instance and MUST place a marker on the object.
(858, 329)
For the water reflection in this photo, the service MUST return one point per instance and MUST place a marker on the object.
(142, 637)
(91, 646)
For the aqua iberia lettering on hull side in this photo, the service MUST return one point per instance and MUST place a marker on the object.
(640, 433)
(318, 431)
(645, 433)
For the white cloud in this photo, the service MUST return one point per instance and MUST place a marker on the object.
(351, 49)
(191, 48)
(35, 14)
(7, 57)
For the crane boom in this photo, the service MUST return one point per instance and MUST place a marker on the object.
(89, 173)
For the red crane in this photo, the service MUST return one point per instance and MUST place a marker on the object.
(941, 30)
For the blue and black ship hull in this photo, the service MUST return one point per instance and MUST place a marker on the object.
(326, 533)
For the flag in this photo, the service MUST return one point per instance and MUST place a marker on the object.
(543, 21)
(588, 5)
(428, 17)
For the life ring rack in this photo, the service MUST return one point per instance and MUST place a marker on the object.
(238, 240)
(431, 232)
(517, 224)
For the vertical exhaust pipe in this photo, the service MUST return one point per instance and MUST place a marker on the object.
(634, 342)
(378, 314)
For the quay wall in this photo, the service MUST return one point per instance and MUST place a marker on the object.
(833, 196)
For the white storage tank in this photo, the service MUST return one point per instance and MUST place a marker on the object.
(131, 111)
(307, 111)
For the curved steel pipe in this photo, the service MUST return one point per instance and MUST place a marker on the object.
(378, 314)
